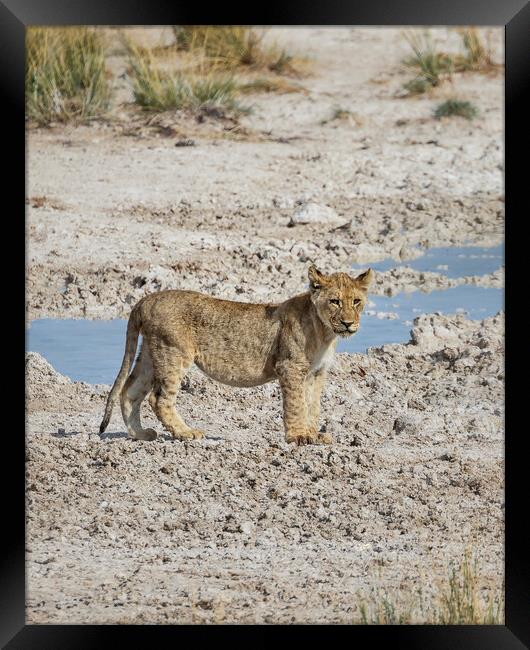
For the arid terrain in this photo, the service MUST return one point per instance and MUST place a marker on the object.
(241, 527)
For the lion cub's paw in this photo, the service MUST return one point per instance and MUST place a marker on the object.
(189, 434)
(321, 437)
(146, 434)
(301, 437)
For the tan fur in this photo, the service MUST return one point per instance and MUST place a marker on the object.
(241, 344)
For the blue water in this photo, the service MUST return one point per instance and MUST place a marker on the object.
(92, 351)
(84, 350)
(475, 302)
(452, 262)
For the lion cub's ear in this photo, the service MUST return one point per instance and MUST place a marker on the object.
(365, 279)
(316, 278)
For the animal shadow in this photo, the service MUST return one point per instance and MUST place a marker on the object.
(109, 435)
(116, 435)
(61, 433)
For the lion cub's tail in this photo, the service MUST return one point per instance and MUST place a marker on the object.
(133, 331)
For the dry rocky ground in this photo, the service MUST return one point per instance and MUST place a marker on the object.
(241, 527)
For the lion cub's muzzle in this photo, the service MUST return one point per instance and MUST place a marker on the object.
(347, 329)
(347, 333)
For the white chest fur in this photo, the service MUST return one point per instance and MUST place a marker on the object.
(324, 357)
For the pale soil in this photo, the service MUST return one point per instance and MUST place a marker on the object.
(120, 215)
(241, 527)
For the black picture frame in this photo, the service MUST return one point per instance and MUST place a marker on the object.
(514, 15)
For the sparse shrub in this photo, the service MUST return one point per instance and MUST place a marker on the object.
(161, 90)
(456, 107)
(417, 86)
(343, 114)
(270, 85)
(232, 46)
(65, 74)
(458, 602)
(432, 65)
(477, 56)
(383, 612)
(282, 64)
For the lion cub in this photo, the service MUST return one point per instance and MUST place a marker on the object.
(241, 344)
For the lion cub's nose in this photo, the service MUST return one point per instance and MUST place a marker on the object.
(347, 323)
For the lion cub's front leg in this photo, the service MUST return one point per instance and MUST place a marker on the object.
(314, 385)
(292, 383)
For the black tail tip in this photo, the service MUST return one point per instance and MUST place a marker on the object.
(103, 426)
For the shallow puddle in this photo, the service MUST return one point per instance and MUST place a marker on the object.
(84, 350)
(452, 262)
(389, 320)
(91, 351)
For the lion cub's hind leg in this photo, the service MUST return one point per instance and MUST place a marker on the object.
(169, 366)
(138, 384)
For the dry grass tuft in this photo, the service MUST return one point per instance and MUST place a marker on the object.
(157, 89)
(458, 602)
(340, 114)
(477, 56)
(65, 74)
(45, 202)
(270, 85)
(434, 67)
(232, 47)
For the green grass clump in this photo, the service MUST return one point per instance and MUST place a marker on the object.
(270, 85)
(232, 46)
(161, 90)
(65, 74)
(340, 114)
(457, 107)
(417, 86)
(432, 65)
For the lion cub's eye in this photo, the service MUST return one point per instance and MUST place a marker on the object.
(357, 301)
(335, 301)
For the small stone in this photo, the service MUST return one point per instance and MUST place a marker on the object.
(247, 527)
(450, 354)
(187, 142)
(314, 213)
(405, 424)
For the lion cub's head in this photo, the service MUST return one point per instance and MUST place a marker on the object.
(339, 299)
